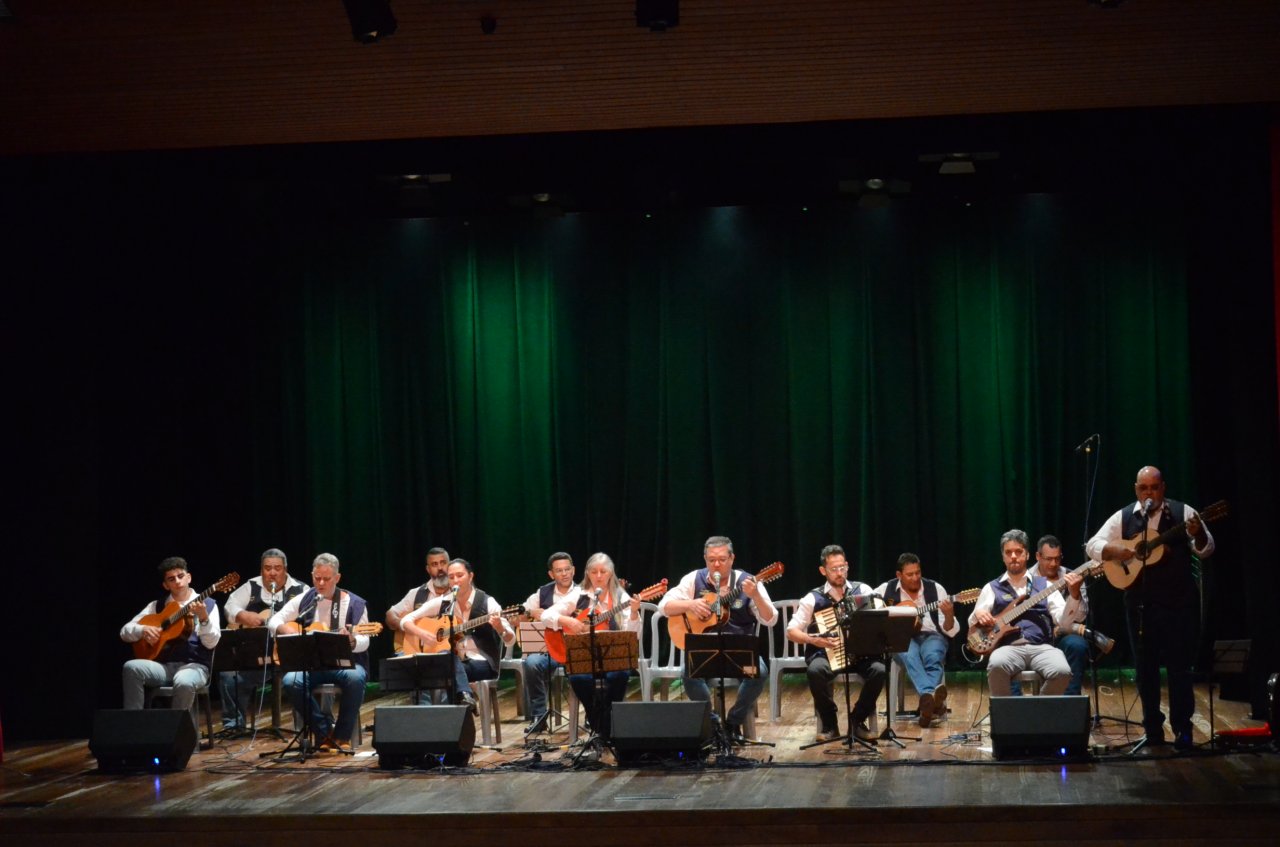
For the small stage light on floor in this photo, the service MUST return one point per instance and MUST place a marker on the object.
(371, 20)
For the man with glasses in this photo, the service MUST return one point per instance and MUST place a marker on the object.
(803, 629)
(1073, 646)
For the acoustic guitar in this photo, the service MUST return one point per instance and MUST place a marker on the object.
(176, 620)
(984, 639)
(1122, 572)
(412, 646)
(295, 628)
(681, 625)
(555, 638)
(964, 598)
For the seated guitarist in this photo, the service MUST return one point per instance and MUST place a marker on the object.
(540, 667)
(184, 663)
(1162, 607)
(925, 660)
(477, 655)
(1029, 646)
(323, 606)
(752, 606)
(599, 594)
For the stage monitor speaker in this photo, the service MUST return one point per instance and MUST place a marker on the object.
(1039, 726)
(126, 740)
(423, 736)
(663, 730)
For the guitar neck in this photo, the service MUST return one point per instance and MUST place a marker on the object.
(185, 608)
(1010, 614)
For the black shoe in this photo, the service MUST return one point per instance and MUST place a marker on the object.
(465, 698)
(1183, 741)
(1156, 739)
(538, 724)
(734, 733)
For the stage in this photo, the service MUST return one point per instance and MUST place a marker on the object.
(945, 787)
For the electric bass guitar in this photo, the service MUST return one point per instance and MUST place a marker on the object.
(1122, 572)
(176, 620)
(681, 625)
(555, 638)
(964, 598)
(984, 639)
(441, 625)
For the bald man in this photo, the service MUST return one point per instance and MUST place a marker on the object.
(1162, 606)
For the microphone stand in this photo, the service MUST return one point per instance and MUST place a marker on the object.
(599, 695)
(1135, 746)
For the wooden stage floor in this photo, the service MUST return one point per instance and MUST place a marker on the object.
(945, 788)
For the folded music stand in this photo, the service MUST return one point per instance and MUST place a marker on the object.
(248, 650)
(305, 654)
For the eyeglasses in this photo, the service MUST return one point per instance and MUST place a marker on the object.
(838, 569)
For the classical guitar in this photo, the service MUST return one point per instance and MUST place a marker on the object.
(441, 625)
(964, 598)
(176, 620)
(555, 638)
(1122, 572)
(681, 625)
(983, 639)
(295, 628)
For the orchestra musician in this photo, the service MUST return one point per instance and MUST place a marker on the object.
(752, 606)
(477, 653)
(323, 606)
(804, 629)
(1031, 647)
(599, 593)
(252, 605)
(925, 659)
(1073, 646)
(539, 667)
(437, 585)
(184, 663)
(1162, 606)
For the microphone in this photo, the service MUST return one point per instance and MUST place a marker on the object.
(1086, 445)
(271, 586)
(715, 577)
(1147, 505)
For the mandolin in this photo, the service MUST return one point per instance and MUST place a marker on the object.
(555, 638)
(681, 625)
(176, 620)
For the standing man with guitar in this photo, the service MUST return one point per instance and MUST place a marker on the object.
(540, 667)
(324, 607)
(186, 659)
(252, 605)
(925, 660)
(1162, 605)
(803, 629)
(477, 653)
(751, 605)
(1027, 642)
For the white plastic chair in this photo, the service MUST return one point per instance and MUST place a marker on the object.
(656, 670)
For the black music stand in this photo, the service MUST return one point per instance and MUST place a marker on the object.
(599, 653)
(245, 650)
(722, 656)
(305, 654)
(417, 673)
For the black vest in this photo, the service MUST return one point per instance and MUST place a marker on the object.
(1170, 581)
(190, 649)
(821, 600)
(893, 596)
(355, 611)
(547, 596)
(742, 620)
(486, 637)
(1036, 623)
(258, 596)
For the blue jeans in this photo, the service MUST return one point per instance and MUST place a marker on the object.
(466, 671)
(350, 680)
(538, 669)
(1076, 649)
(925, 661)
(235, 688)
(583, 685)
(748, 691)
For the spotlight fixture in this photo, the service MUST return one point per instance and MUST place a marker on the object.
(371, 20)
(657, 15)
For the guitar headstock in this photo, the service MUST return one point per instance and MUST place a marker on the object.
(771, 573)
(969, 595)
(512, 612)
(367, 629)
(1090, 569)
(654, 591)
(227, 583)
(1215, 511)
